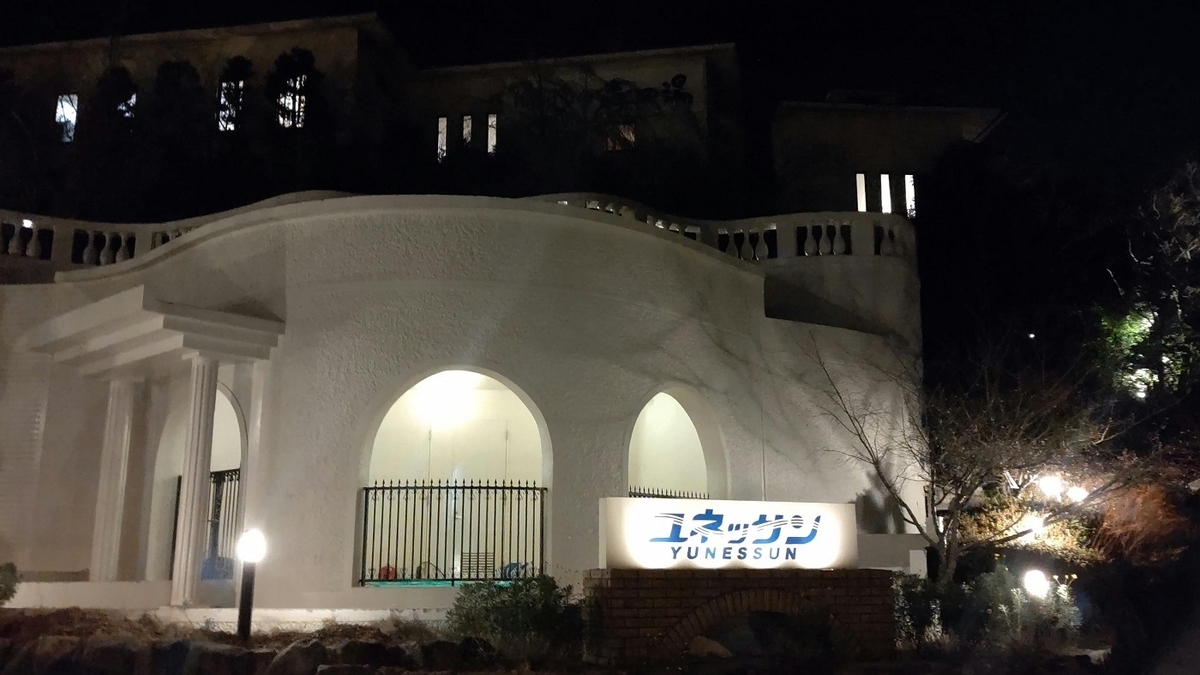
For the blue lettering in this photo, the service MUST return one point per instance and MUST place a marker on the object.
(774, 553)
(727, 554)
(710, 553)
(675, 552)
(789, 554)
(693, 552)
(742, 553)
(757, 553)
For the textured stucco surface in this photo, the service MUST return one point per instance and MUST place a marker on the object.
(585, 316)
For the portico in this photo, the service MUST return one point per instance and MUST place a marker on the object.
(127, 339)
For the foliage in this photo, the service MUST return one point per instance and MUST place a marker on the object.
(917, 610)
(525, 618)
(993, 608)
(8, 582)
(982, 447)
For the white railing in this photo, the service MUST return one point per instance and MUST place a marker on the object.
(803, 235)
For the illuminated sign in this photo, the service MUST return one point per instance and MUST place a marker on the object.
(640, 533)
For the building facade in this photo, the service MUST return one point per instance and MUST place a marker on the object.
(407, 392)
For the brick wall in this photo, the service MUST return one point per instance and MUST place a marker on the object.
(652, 615)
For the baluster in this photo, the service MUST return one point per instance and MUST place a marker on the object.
(89, 251)
(760, 247)
(888, 245)
(106, 253)
(826, 247)
(674, 227)
(626, 212)
(728, 247)
(839, 242)
(810, 240)
(34, 249)
(15, 245)
(123, 252)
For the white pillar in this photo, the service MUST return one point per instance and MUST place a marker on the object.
(194, 490)
(114, 465)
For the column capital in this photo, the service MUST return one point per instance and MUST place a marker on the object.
(203, 358)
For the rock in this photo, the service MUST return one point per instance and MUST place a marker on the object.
(362, 652)
(169, 658)
(50, 653)
(260, 660)
(110, 655)
(208, 658)
(440, 655)
(707, 648)
(392, 670)
(399, 656)
(302, 657)
(346, 669)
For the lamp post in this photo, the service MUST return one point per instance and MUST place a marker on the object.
(251, 549)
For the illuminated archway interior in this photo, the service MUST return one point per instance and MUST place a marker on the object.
(458, 426)
(665, 453)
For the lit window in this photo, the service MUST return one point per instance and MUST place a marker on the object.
(229, 98)
(466, 129)
(291, 103)
(126, 107)
(66, 112)
(910, 196)
(885, 193)
(442, 138)
(491, 135)
(861, 180)
(625, 138)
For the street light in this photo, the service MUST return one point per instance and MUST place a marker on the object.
(251, 549)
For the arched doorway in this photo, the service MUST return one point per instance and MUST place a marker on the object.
(456, 488)
(224, 509)
(675, 448)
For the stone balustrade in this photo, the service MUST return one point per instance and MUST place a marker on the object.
(72, 243)
(804, 235)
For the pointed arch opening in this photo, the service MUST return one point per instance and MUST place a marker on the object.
(675, 448)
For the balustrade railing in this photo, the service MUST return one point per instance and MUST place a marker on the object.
(805, 235)
(450, 532)
(662, 493)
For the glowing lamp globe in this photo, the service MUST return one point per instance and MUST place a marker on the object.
(252, 546)
(1077, 494)
(1051, 486)
(1036, 584)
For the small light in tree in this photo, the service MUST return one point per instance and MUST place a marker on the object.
(1036, 583)
(1077, 493)
(27, 224)
(1032, 336)
(1051, 485)
(1033, 525)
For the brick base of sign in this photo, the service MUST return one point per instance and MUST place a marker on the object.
(653, 615)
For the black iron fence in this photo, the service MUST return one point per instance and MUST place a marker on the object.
(665, 494)
(221, 533)
(445, 531)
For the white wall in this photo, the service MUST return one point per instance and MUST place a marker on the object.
(457, 426)
(665, 451)
(587, 314)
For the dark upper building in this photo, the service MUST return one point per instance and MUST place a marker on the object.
(176, 124)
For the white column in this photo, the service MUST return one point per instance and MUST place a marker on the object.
(194, 491)
(114, 464)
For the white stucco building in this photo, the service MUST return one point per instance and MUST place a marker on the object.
(489, 368)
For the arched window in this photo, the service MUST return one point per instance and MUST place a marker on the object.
(455, 488)
(675, 448)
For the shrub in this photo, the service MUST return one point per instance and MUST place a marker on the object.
(917, 610)
(8, 582)
(995, 609)
(525, 618)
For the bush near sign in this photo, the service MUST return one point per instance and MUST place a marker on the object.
(724, 534)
